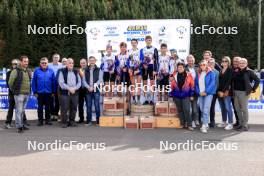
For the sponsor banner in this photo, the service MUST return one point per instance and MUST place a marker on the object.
(174, 32)
(256, 100)
(32, 102)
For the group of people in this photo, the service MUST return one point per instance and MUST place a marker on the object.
(56, 86)
(230, 83)
(193, 88)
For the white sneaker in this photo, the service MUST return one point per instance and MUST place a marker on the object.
(207, 126)
(197, 122)
(203, 129)
(193, 124)
(229, 127)
(222, 125)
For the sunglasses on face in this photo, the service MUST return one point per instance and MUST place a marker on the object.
(14, 63)
(44, 63)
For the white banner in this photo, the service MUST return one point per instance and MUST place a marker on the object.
(174, 32)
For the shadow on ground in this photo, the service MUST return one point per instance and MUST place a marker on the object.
(117, 139)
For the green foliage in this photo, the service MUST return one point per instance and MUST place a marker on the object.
(16, 15)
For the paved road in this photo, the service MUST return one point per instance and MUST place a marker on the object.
(131, 152)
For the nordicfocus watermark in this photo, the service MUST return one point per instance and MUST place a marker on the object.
(58, 29)
(207, 29)
(138, 87)
(190, 145)
(66, 146)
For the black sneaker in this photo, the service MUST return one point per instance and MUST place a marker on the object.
(212, 125)
(48, 123)
(246, 128)
(26, 123)
(146, 103)
(72, 124)
(20, 130)
(80, 121)
(64, 126)
(151, 103)
(25, 128)
(239, 128)
(236, 124)
(40, 123)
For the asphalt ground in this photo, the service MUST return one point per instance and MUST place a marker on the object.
(117, 151)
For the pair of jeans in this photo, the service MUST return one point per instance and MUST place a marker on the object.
(205, 104)
(183, 106)
(226, 109)
(69, 104)
(93, 97)
(44, 99)
(21, 103)
(11, 107)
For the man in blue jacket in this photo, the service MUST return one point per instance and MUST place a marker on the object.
(44, 87)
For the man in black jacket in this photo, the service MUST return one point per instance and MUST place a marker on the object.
(11, 99)
(69, 85)
(93, 77)
(242, 90)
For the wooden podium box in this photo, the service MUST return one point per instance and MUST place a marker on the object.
(173, 108)
(147, 122)
(161, 107)
(167, 122)
(131, 122)
(111, 121)
(121, 103)
(110, 103)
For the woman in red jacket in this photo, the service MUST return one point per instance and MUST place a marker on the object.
(182, 91)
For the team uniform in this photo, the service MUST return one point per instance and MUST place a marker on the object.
(134, 61)
(108, 67)
(163, 70)
(134, 66)
(121, 61)
(148, 57)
